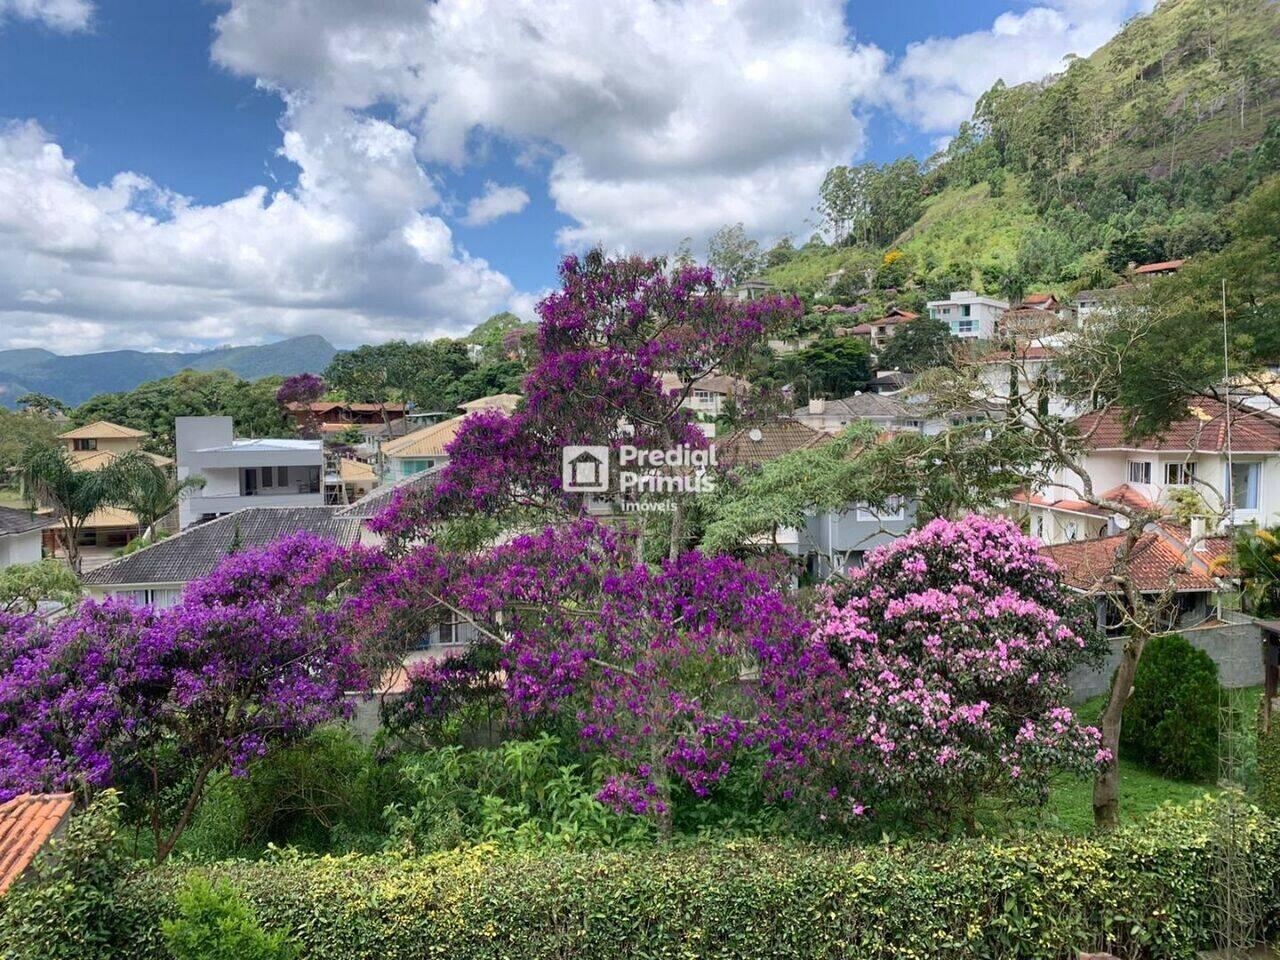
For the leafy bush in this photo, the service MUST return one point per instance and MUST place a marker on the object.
(1142, 891)
(524, 793)
(1171, 721)
(326, 794)
(215, 923)
(69, 907)
(1268, 772)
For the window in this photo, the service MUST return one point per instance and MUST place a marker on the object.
(914, 424)
(163, 597)
(703, 396)
(1139, 471)
(961, 327)
(894, 509)
(1244, 485)
(282, 476)
(1180, 474)
(86, 444)
(267, 477)
(1071, 531)
(966, 310)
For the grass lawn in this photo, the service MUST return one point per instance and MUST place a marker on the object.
(10, 497)
(1070, 806)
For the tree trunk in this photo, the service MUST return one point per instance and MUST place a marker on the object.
(677, 530)
(1106, 786)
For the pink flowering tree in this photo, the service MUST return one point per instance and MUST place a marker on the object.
(937, 677)
(605, 339)
(646, 665)
(253, 656)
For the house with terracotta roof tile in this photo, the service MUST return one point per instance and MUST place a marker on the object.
(1228, 455)
(880, 331)
(28, 822)
(92, 447)
(1167, 559)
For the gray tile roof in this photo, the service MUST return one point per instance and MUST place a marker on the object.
(860, 405)
(377, 499)
(197, 550)
(22, 521)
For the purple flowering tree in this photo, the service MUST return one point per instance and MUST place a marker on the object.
(936, 677)
(604, 341)
(303, 389)
(649, 666)
(253, 656)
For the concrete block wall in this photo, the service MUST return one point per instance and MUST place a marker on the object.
(1235, 646)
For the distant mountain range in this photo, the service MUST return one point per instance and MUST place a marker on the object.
(74, 379)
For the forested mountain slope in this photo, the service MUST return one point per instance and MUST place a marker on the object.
(1136, 153)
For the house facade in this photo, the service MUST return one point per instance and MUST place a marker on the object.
(970, 316)
(1228, 456)
(243, 473)
(21, 536)
(880, 331)
(883, 412)
(709, 396)
(92, 447)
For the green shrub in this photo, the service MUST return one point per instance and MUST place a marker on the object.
(326, 794)
(215, 923)
(69, 908)
(1268, 772)
(523, 793)
(1171, 721)
(1146, 890)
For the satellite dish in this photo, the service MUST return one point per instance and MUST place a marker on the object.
(755, 434)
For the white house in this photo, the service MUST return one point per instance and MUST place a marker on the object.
(1030, 369)
(1192, 454)
(244, 473)
(970, 316)
(20, 535)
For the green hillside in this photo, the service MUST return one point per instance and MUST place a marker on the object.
(1136, 153)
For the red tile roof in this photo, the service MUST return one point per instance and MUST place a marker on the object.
(1158, 267)
(1033, 298)
(1087, 565)
(26, 824)
(1123, 493)
(1128, 495)
(1204, 429)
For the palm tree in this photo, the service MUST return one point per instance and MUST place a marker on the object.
(1258, 558)
(146, 490)
(50, 479)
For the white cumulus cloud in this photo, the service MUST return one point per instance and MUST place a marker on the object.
(937, 81)
(496, 201)
(353, 252)
(57, 14)
(661, 118)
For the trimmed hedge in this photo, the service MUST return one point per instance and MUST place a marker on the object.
(1144, 891)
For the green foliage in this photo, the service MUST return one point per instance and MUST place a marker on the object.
(919, 345)
(836, 367)
(1258, 560)
(23, 586)
(1144, 891)
(326, 794)
(523, 793)
(20, 432)
(152, 406)
(1171, 720)
(69, 910)
(215, 923)
(1268, 775)
(733, 255)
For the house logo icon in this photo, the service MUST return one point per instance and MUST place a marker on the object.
(584, 469)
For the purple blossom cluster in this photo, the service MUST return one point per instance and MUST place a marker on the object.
(604, 341)
(253, 655)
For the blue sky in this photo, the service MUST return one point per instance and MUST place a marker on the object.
(136, 134)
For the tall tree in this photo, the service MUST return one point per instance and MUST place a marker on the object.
(920, 345)
(733, 255)
(148, 491)
(50, 479)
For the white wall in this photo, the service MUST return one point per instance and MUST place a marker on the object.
(20, 548)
